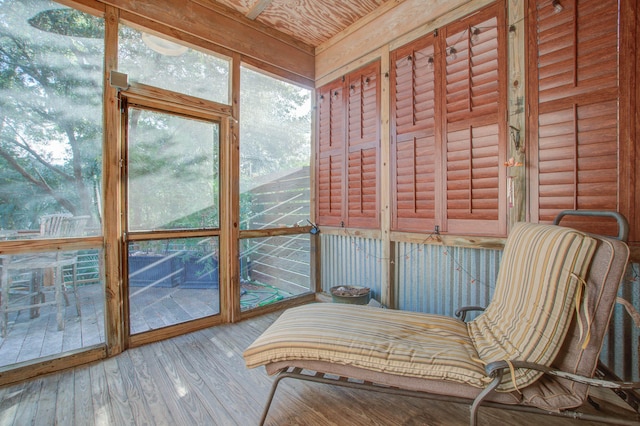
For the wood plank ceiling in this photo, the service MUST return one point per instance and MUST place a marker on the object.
(310, 21)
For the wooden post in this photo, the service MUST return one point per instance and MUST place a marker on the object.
(388, 294)
(111, 182)
(230, 204)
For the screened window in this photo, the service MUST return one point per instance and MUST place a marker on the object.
(51, 65)
(273, 269)
(51, 71)
(173, 172)
(172, 281)
(164, 63)
(275, 150)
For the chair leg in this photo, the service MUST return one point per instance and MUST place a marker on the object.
(4, 301)
(75, 288)
(60, 293)
(473, 418)
(272, 393)
(37, 296)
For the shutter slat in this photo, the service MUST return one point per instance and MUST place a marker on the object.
(576, 138)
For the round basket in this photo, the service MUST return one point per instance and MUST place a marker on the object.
(350, 294)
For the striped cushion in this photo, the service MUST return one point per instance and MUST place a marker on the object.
(527, 320)
(533, 302)
(397, 342)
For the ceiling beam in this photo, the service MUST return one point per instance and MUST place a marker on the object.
(258, 8)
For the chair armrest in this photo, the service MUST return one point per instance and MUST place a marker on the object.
(492, 369)
(462, 312)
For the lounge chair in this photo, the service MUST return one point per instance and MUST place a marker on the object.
(534, 348)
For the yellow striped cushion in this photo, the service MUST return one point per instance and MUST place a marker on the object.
(527, 320)
(397, 342)
(533, 302)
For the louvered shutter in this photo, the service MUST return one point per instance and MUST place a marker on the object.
(330, 155)
(474, 107)
(363, 140)
(413, 144)
(574, 124)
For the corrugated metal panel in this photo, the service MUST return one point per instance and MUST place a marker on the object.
(622, 344)
(439, 280)
(351, 261)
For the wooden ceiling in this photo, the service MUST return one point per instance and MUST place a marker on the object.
(310, 21)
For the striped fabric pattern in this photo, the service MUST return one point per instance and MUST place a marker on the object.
(383, 340)
(527, 320)
(534, 298)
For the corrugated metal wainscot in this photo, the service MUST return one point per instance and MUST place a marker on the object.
(353, 261)
(622, 343)
(438, 279)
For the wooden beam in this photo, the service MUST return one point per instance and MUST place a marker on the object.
(208, 21)
(257, 9)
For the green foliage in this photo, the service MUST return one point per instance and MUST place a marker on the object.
(50, 111)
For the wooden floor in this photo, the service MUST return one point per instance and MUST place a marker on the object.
(200, 379)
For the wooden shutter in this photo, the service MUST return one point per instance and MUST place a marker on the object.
(574, 109)
(348, 150)
(330, 155)
(414, 165)
(363, 108)
(474, 108)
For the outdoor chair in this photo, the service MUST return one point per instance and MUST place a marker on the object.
(26, 277)
(534, 348)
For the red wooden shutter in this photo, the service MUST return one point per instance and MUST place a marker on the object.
(363, 146)
(330, 155)
(574, 119)
(474, 106)
(413, 144)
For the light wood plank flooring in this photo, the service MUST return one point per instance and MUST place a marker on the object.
(200, 379)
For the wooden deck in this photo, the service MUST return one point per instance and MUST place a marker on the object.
(200, 379)
(151, 308)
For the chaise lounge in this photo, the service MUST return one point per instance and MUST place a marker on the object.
(535, 347)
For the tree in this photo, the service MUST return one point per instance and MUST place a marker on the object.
(50, 111)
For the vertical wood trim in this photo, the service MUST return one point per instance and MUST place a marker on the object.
(112, 201)
(503, 116)
(517, 119)
(532, 112)
(387, 285)
(230, 203)
(634, 133)
(629, 123)
(440, 124)
(315, 258)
